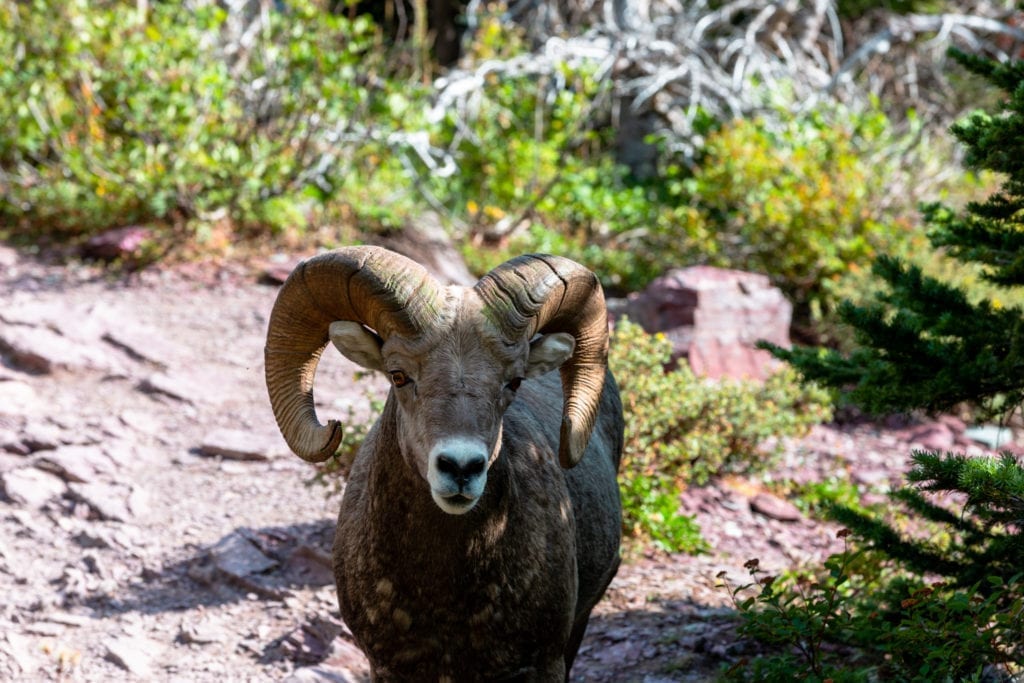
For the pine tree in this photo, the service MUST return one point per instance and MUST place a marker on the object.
(924, 344)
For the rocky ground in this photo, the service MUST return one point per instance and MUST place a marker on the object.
(153, 526)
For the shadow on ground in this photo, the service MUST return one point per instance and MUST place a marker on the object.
(268, 562)
(672, 640)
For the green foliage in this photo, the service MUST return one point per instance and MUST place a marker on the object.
(108, 117)
(681, 429)
(862, 619)
(928, 344)
(531, 170)
(651, 513)
(801, 617)
(923, 344)
(797, 201)
(821, 496)
(968, 548)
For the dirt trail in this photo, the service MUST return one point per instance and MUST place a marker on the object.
(153, 526)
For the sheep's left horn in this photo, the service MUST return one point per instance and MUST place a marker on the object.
(368, 285)
(543, 294)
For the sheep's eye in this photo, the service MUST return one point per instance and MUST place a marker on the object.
(399, 378)
(514, 383)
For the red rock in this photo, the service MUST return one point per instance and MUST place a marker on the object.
(935, 436)
(714, 317)
(776, 508)
(119, 243)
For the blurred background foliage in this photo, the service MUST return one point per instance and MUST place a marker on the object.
(786, 140)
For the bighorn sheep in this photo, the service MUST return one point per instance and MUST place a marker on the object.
(481, 519)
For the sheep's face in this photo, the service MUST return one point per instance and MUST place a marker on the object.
(453, 385)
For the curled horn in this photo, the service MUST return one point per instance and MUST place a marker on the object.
(539, 294)
(378, 288)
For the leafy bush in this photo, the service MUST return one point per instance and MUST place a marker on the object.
(531, 179)
(681, 429)
(108, 117)
(800, 201)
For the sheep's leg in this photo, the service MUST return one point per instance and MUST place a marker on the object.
(580, 626)
(555, 672)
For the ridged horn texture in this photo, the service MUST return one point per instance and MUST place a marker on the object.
(378, 288)
(539, 294)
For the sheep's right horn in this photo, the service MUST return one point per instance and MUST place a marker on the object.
(542, 294)
(378, 288)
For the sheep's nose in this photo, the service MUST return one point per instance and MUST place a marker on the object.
(461, 467)
(457, 473)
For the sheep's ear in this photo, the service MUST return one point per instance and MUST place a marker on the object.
(549, 352)
(358, 344)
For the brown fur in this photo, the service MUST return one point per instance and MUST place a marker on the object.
(504, 591)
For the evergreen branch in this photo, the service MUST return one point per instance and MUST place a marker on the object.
(918, 556)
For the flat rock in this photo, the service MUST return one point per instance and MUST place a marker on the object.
(186, 387)
(19, 398)
(77, 322)
(145, 421)
(311, 566)
(41, 435)
(111, 501)
(78, 464)
(239, 444)
(236, 556)
(31, 487)
(345, 664)
(11, 461)
(41, 350)
(776, 508)
(992, 436)
(24, 651)
(134, 654)
(69, 619)
(143, 343)
(11, 442)
(201, 632)
(714, 317)
(309, 643)
(168, 385)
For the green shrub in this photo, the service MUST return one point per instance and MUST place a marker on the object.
(108, 117)
(681, 429)
(800, 201)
